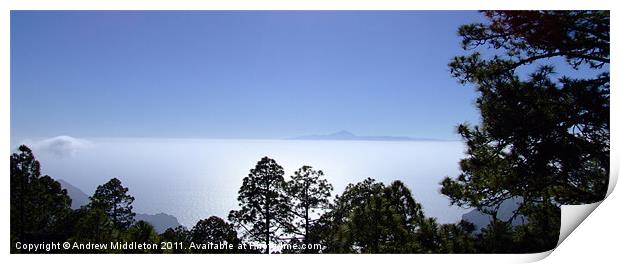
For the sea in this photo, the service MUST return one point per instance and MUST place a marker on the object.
(193, 179)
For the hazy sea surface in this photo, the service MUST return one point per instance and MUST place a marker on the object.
(193, 179)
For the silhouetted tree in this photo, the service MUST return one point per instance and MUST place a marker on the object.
(309, 193)
(332, 225)
(497, 237)
(215, 230)
(142, 232)
(115, 201)
(178, 234)
(541, 219)
(38, 203)
(94, 226)
(295, 246)
(376, 227)
(265, 209)
(371, 218)
(542, 138)
(457, 238)
(401, 200)
(428, 236)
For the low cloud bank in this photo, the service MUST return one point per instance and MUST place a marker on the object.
(60, 146)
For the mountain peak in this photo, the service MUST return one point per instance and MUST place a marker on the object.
(343, 134)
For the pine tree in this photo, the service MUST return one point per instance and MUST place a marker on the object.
(215, 230)
(142, 232)
(309, 193)
(38, 203)
(543, 137)
(115, 201)
(371, 218)
(265, 212)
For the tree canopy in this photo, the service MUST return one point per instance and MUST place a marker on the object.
(39, 204)
(371, 218)
(215, 230)
(265, 212)
(309, 192)
(542, 138)
(115, 201)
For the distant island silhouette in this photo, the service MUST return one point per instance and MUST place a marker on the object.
(346, 135)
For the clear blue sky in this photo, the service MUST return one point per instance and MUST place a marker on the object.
(236, 74)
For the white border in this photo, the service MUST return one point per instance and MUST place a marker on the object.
(595, 240)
